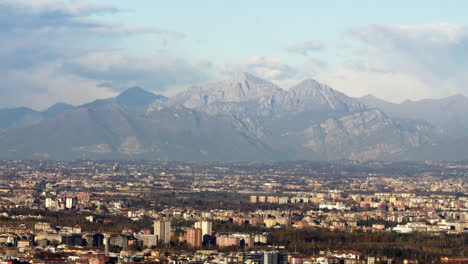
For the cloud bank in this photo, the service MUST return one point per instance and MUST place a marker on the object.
(56, 50)
(406, 61)
(61, 50)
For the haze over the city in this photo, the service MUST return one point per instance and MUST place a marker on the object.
(77, 51)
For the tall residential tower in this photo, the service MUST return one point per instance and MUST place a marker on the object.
(162, 231)
(205, 226)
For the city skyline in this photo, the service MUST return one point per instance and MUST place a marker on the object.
(284, 212)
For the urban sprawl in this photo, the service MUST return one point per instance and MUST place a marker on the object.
(103, 212)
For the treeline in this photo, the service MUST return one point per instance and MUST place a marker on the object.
(421, 246)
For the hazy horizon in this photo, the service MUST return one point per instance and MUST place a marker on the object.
(174, 92)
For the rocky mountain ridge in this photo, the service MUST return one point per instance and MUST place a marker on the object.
(244, 118)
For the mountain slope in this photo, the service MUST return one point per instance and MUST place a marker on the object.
(449, 113)
(137, 97)
(311, 95)
(447, 150)
(366, 135)
(12, 118)
(133, 99)
(242, 88)
(112, 132)
(310, 118)
(244, 118)
(57, 109)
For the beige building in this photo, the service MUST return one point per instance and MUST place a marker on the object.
(162, 231)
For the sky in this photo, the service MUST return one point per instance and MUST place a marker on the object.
(75, 51)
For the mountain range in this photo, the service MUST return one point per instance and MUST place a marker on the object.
(242, 119)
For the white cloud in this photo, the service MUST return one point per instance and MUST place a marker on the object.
(275, 70)
(52, 50)
(81, 79)
(75, 8)
(267, 67)
(392, 86)
(42, 86)
(157, 72)
(404, 36)
(398, 62)
(307, 47)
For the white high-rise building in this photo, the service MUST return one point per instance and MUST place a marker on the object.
(205, 226)
(69, 202)
(49, 203)
(162, 231)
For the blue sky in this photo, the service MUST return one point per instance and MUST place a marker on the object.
(223, 31)
(76, 50)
